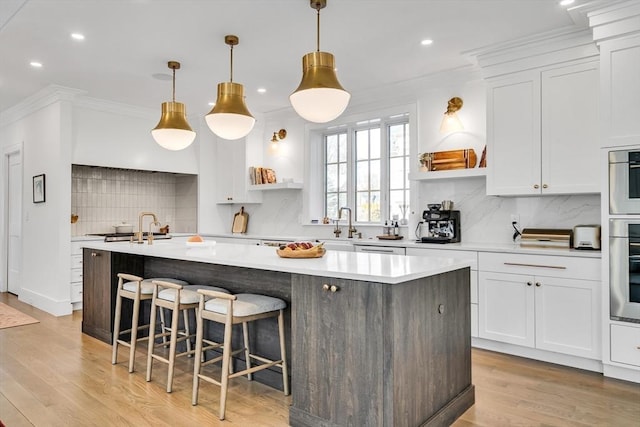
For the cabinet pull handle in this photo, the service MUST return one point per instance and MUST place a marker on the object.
(518, 264)
(386, 251)
(529, 283)
(538, 284)
(536, 186)
(545, 186)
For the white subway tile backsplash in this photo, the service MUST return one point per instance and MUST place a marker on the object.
(103, 197)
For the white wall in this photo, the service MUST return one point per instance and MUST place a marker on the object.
(45, 226)
(122, 138)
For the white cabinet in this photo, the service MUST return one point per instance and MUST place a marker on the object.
(233, 174)
(470, 256)
(542, 131)
(374, 249)
(543, 302)
(625, 344)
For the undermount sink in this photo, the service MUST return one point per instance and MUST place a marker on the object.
(337, 245)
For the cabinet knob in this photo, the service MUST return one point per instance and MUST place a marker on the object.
(334, 288)
(93, 254)
(545, 186)
(536, 186)
(325, 287)
(529, 283)
(440, 308)
(538, 284)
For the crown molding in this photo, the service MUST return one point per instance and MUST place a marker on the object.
(116, 108)
(37, 101)
(552, 47)
(615, 19)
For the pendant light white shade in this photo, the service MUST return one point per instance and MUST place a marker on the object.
(319, 98)
(173, 131)
(230, 118)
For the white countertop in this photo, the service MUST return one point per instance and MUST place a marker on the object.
(382, 268)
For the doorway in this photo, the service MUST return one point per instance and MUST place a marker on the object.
(13, 225)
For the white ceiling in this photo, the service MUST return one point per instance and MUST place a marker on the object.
(375, 42)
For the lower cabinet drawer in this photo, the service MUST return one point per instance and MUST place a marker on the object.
(625, 345)
(541, 265)
(76, 275)
(76, 292)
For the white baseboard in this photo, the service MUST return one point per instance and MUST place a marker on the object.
(45, 303)
(542, 355)
(621, 373)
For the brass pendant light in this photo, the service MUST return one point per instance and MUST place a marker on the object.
(230, 118)
(173, 131)
(319, 98)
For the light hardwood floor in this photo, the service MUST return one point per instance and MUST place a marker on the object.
(53, 375)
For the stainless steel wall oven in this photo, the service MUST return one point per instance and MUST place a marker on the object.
(624, 182)
(624, 269)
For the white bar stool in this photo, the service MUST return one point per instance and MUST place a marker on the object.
(177, 298)
(230, 310)
(136, 289)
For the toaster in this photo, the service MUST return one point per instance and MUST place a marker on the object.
(586, 237)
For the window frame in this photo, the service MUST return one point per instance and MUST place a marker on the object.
(349, 125)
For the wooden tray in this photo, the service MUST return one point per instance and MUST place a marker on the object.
(454, 159)
(301, 253)
(389, 237)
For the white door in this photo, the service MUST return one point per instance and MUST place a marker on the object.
(14, 214)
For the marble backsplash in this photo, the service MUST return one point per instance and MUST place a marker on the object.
(484, 219)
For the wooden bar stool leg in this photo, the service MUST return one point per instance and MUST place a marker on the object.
(226, 358)
(198, 360)
(163, 325)
(175, 318)
(187, 330)
(247, 351)
(283, 353)
(116, 329)
(152, 336)
(134, 331)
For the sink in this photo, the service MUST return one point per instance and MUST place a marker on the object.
(337, 245)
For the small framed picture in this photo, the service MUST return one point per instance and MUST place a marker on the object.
(38, 189)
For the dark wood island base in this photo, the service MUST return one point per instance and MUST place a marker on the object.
(363, 353)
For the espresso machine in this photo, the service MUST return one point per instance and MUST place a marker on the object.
(440, 226)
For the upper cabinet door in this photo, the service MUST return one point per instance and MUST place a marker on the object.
(570, 129)
(513, 135)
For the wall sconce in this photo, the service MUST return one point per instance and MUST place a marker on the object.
(450, 121)
(278, 136)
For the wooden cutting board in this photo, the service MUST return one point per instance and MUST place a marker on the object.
(240, 221)
(455, 159)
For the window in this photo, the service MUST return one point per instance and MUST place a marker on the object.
(366, 166)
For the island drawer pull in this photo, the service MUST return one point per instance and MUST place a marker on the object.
(518, 264)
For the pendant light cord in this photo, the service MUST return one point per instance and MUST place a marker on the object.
(231, 67)
(318, 31)
(174, 85)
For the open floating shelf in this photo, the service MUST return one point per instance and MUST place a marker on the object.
(276, 186)
(455, 173)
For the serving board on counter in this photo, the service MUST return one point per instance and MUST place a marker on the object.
(309, 253)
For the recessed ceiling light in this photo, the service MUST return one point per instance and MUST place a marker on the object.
(35, 64)
(566, 2)
(77, 36)
(262, 90)
(426, 42)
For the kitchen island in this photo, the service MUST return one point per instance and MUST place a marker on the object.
(375, 339)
